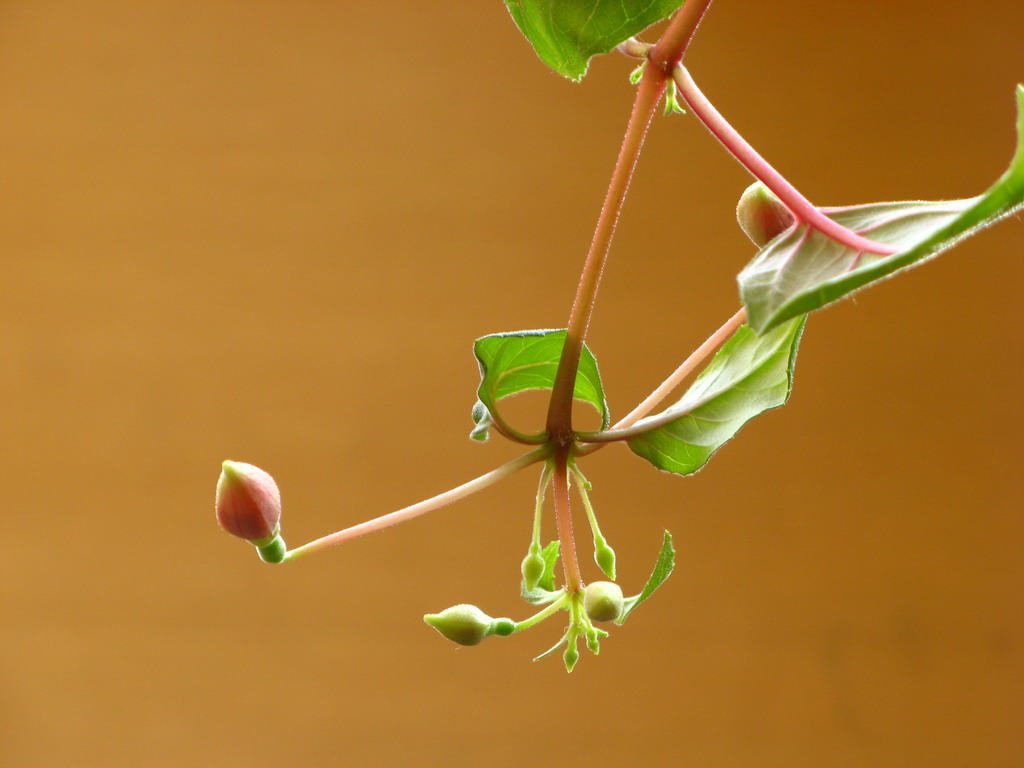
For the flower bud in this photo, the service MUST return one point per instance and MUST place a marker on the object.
(248, 503)
(503, 627)
(462, 624)
(604, 556)
(533, 570)
(571, 655)
(761, 215)
(603, 601)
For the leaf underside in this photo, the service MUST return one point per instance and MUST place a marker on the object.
(567, 33)
(750, 375)
(803, 270)
(511, 363)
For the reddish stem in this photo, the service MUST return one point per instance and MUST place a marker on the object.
(420, 508)
(687, 367)
(738, 147)
(665, 54)
(563, 521)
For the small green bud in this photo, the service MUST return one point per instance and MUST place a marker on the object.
(605, 557)
(273, 551)
(603, 601)
(533, 569)
(503, 627)
(462, 624)
(571, 655)
(761, 215)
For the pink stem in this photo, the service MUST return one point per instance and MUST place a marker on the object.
(420, 508)
(688, 366)
(698, 356)
(798, 205)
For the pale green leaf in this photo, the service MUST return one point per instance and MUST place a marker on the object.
(750, 375)
(803, 270)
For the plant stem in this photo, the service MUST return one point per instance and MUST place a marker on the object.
(663, 56)
(600, 543)
(669, 50)
(422, 507)
(738, 147)
(538, 511)
(538, 617)
(559, 424)
(663, 390)
(697, 357)
(563, 519)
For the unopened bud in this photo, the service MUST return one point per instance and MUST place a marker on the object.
(571, 655)
(533, 570)
(249, 504)
(503, 627)
(605, 558)
(462, 624)
(603, 601)
(761, 215)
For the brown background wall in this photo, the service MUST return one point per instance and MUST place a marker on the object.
(269, 231)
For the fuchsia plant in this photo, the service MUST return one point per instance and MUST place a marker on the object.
(808, 258)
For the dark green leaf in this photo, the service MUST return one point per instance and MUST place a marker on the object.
(567, 33)
(515, 362)
(750, 375)
(662, 570)
(803, 270)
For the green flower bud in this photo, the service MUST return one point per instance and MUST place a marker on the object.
(605, 557)
(503, 627)
(603, 601)
(761, 215)
(462, 624)
(571, 655)
(533, 570)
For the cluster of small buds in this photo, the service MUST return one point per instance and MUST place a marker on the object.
(248, 505)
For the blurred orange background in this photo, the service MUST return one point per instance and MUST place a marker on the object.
(270, 231)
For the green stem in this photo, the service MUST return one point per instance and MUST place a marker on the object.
(600, 543)
(538, 617)
(509, 432)
(538, 512)
(422, 507)
(665, 54)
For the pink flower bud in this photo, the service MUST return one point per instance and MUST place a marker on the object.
(761, 215)
(248, 502)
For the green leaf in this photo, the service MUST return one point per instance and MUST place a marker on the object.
(545, 591)
(750, 375)
(567, 33)
(662, 570)
(511, 363)
(803, 270)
